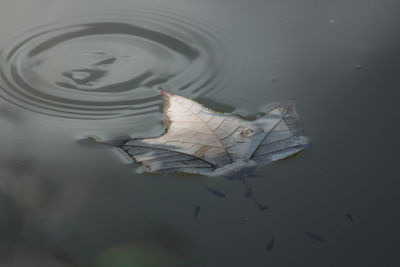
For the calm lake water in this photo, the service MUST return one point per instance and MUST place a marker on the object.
(71, 69)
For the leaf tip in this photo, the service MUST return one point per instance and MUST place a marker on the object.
(165, 94)
(165, 97)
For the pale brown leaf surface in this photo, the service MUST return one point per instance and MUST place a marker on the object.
(202, 141)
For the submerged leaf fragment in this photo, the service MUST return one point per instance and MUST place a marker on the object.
(315, 237)
(215, 192)
(201, 141)
(270, 244)
(350, 218)
(260, 205)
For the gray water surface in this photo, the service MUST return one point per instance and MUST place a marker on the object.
(72, 69)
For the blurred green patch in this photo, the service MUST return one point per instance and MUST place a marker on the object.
(137, 255)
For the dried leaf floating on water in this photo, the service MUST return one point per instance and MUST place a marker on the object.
(201, 141)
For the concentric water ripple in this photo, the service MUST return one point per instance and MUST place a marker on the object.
(107, 66)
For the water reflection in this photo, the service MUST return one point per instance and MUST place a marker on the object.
(34, 257)
(47, 219)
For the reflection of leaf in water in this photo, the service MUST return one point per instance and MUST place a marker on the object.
(201, 141)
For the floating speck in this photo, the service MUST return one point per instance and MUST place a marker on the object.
(270, 245)
(350, 218)
(261, 206)
(315, 237)
(215, 192)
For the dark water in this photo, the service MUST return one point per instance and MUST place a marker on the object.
(69, 70)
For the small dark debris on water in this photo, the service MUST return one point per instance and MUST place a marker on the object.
(315, 237)
(196, 212)
(249, 194)
(261, 206)
(107, 61)
(350, 217)
(215, 192)
(270, 245)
